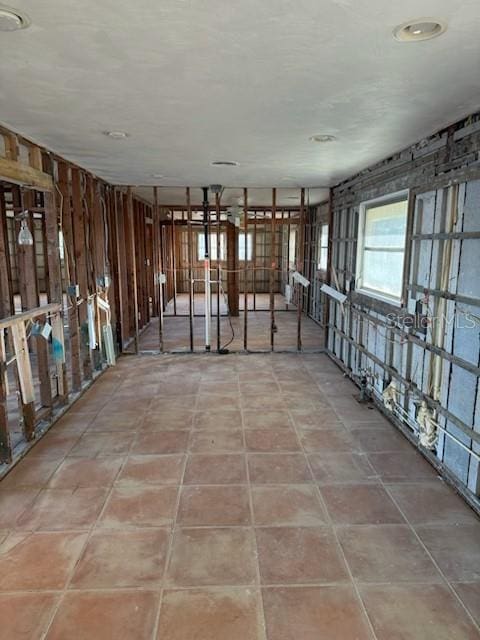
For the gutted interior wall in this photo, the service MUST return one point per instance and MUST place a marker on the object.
(316, 261)
(176, 252)
(430, 345)
(92, 246)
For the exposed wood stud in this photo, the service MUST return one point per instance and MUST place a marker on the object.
(70, 272)
(301, 268)
(6, 296)
(80, 255)
(245, 284)
(20, 343)
(219, 272)
(190, 267)
(54, 285)
(131, 221)
(273, 266)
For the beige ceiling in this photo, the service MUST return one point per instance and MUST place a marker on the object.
(197, 81)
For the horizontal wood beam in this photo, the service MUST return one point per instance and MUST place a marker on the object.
(30, 314)
(23, 174)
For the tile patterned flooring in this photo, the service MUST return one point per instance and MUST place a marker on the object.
(176, 329)
(243, 497)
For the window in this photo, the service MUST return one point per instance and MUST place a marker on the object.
(322, 248)
(381, 247)
(292, 246)
(241, 246)
(212, 245)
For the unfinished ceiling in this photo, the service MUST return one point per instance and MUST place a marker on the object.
(196, 82)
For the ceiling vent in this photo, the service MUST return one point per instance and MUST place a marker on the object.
(12, 19)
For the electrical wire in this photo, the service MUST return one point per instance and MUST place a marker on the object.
(219, 283)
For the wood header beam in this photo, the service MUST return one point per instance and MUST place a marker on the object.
(23, 174)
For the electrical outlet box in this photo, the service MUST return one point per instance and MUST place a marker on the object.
(104, 281)
(46, 330)
(73, 290)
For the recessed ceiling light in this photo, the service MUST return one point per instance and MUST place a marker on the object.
(12, 19)
(116, 135)
(224, 163)
(157, 175)
(420, 29)
(323, 137)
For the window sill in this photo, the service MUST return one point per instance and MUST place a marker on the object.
(378, 304)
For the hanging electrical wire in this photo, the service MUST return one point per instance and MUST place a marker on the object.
(226, 345)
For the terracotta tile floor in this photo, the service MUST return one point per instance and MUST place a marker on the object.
(243, 497)
(176, 329)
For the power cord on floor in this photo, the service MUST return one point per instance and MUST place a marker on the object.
(224, 350)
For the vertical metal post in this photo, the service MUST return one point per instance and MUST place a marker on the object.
(206, 216)
(190, 260)
(245, 284)
(300, 267)
(272, 269)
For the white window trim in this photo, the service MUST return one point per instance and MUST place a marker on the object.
(320, 247)
(241, 254)
(386, 199)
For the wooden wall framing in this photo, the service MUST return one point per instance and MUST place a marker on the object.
(94, 241)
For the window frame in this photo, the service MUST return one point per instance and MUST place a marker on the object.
(321, 247)
(389, 198)
(213, 243)
(241, 255)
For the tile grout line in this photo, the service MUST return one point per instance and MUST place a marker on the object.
(337, 541)
(432, 559)
(87, 540)
(169, 553)
(388, 492)
(259, 595)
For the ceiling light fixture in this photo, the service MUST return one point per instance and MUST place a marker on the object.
(157, 175)
(225, 163)
(116, 135)
(12, 19)
(322, 137)
(419, 30)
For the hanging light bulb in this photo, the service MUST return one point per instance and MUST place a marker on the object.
(25, 235)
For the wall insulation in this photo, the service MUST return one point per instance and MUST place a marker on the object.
(434, 364)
